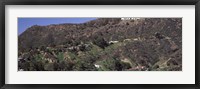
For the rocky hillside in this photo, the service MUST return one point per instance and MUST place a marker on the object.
(104, 44)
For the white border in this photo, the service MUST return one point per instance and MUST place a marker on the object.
(187, 76)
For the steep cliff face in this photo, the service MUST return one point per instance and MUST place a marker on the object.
(112, 43)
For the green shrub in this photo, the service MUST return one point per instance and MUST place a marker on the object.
(38, 57)
(60, 56)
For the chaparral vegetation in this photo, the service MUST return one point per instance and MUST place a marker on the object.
(103, 44)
